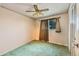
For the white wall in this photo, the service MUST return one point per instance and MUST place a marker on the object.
(15, 30)
(59, 38)
(37, 29)
(62, 37)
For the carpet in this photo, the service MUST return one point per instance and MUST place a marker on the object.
(39, 48)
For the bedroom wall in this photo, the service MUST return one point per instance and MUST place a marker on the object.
(37, 31)
(58, 38)
(15, 30)
(62, 37)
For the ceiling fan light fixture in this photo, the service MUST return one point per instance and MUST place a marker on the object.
(37, 14)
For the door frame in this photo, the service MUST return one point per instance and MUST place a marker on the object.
(72, 27)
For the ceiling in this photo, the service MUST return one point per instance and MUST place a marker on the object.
(54, 8)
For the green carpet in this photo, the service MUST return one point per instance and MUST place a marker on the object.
(38, 48)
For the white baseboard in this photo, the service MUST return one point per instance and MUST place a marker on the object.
(59, 43)
(13, 48)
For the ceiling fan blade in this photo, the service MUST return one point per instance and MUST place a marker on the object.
(44, 10)
(36, 7)
(29, 11)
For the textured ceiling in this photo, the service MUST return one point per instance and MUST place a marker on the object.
(54, 8)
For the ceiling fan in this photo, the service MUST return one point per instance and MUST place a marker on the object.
(37, 11)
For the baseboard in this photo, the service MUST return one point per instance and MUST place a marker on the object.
(59, 44)
(23, 44)
(13, 48)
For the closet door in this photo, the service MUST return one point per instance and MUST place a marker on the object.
(44, 30)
